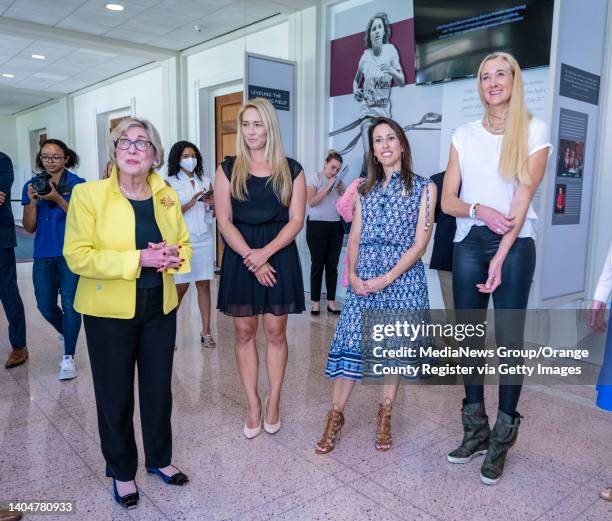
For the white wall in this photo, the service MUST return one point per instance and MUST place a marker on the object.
(146, 92)
(52, 116)
(224, 64)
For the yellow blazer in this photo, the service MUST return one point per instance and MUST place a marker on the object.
(100, 245)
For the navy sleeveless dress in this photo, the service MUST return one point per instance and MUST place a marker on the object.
(259, 219)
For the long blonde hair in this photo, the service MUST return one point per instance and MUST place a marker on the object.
(515, 147)
(274, 154)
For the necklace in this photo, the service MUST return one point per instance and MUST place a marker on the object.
(494, 130)
(127, 193)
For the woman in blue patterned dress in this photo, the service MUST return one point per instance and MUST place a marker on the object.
(389, 235)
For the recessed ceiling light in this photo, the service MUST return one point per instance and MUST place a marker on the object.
(7, 75)
(38, 56)
(114, 7)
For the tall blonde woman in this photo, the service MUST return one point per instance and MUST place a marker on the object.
(260, 200)
(125, 237)
(495, 166)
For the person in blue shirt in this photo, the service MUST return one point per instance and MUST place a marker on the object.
(45, 214)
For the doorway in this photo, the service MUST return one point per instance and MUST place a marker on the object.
(227, 107)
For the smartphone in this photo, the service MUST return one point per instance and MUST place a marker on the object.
(206, 195)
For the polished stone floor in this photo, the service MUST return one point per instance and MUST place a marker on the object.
(49, 442)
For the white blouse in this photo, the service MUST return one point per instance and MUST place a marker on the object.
(199, 217)
(481, 181)
(604, 284)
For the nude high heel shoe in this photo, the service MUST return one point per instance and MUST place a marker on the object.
(251, 432)
(270, 428)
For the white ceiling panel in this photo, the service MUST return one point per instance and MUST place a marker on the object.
(170, 19)
(130, 35)
(95, 10)
(146, 26)
(83, 26)
(49, 77)
(192, 7)
(237, 16)
(39, 16)
(85, 43)
(13, 42)
(11, 102)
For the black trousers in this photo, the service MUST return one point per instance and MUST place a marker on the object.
(324, 240)
(10, 298)
(116, 347)
(471, 260)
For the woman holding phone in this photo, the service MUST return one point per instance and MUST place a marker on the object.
(186, 176)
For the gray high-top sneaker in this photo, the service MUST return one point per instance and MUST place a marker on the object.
(476, 432)
(502, 437)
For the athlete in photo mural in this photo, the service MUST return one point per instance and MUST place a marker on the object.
(378, 67)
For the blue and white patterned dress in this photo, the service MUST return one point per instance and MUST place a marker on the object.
(388, 229)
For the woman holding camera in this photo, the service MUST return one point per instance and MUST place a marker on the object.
(186, 176)
(45, 199)
(126, 237)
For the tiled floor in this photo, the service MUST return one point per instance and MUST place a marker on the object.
(49, 442)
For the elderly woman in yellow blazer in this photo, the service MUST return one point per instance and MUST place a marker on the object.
(125, 237)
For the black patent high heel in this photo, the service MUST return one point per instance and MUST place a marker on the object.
(129, 501)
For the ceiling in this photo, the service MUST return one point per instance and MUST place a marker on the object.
(84, 43)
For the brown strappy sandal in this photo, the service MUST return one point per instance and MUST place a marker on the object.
(383, 430)
(335, 421)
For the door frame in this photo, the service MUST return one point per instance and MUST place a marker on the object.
(205, 128)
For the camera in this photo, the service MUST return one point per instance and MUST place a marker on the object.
(41, 183)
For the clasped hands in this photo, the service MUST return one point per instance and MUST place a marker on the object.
(256, 261)
(364, 287)
(161, 256)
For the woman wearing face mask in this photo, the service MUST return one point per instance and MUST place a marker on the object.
(324, 232)
(260, 198)
(186, 176)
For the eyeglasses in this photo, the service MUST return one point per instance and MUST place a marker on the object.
(140, 144)
(51, 159)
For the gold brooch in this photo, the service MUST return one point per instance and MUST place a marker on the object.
(167, 201)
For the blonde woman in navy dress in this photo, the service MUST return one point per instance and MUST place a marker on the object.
(390, 231)
(260, 200)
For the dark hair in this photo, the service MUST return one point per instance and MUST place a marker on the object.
(385, 20)
(376, 174)
(174, 158)
(332, 154)
(69, 154)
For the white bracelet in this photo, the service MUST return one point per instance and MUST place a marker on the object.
(471, 212)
